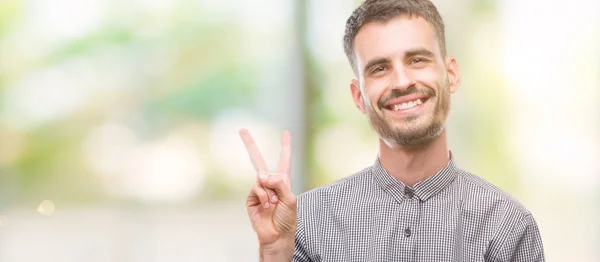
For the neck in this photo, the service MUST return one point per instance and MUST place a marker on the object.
(411, 165)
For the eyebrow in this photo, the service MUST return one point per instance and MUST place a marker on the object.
(417, 52)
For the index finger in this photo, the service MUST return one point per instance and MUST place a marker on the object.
(257, 160)
(285, 159)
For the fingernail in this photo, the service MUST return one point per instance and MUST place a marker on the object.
(262, 176)
(266, 205)
(273, 198)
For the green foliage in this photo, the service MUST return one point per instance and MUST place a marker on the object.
(116, 36)
(52, 167)
(208, 94)
(9, 11)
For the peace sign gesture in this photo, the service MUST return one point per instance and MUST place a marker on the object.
(271, 205)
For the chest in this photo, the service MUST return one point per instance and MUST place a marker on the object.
(408, 230)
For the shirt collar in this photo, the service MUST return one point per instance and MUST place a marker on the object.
(422, 190)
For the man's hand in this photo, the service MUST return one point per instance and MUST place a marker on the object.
(271, 205)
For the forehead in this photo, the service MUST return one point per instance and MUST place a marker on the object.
(394, 37)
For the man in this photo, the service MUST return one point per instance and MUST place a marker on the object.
(414, 203)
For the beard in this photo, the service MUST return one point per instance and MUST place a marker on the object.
(418, 130)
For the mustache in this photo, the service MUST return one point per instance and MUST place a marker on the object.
(396, 93)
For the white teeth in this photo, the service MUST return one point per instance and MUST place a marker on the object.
(407, 105)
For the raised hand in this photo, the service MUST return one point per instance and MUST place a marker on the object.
(271, 205)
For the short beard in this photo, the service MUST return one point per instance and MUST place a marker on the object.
(413, 138)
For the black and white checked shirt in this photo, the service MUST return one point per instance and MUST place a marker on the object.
(451, 216)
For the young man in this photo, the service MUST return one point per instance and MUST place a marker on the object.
(413, 203)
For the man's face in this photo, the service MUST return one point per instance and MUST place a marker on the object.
(404, 82)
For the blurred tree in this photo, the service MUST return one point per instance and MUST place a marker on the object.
(188, 68)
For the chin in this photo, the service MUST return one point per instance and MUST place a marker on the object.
(418, 135)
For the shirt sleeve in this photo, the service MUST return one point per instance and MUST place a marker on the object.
(300, 250)
(521, 244)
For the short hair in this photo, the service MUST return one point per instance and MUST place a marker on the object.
(386, 10)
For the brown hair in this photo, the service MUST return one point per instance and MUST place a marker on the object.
(386, 10)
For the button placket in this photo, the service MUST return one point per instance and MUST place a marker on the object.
(413, 204)
(407, 232)
(409, 193)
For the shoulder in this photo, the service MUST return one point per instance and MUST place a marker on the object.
(478, 192)
(513, 230)
(338, 191)
(340, 186)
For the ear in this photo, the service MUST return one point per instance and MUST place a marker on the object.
(453, 73)
(357, 95)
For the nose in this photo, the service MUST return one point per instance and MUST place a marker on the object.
(402, 78)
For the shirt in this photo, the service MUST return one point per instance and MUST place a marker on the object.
(451, 216)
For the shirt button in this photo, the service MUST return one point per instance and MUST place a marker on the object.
(408, 192)
(407, 232)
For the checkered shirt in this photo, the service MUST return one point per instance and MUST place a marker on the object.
(451, 216)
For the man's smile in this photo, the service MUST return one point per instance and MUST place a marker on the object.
(409, 104)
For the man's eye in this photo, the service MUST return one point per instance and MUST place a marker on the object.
(416, 60)
(378, 69)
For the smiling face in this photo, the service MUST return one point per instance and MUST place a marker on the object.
(404, 81)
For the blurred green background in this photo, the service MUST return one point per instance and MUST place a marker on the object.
(119, 119)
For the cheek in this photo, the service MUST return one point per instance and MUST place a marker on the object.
(432, 76)
(435, 80)
(374, 90)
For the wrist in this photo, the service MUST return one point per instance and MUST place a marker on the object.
(278, 251)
